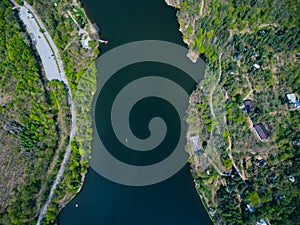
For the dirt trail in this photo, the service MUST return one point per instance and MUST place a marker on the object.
(213, 88)
(228, 149)
(214, 116)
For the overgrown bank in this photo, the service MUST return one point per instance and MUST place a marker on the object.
(34, 121)
(247, 167)
(77, 42)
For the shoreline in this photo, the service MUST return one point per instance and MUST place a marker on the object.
(97, 33)
(34, 17)
(171, 3)
(189, 55)
(193, 171)
(34, 25)
(193, 56)
(94, 29)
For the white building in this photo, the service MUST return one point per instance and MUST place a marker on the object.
(256, 66)
(261, 222)
(293, 101)
(85, 43)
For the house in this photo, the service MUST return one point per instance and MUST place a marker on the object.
(261, 131)
(250, 208)
(291, 178)
(236, 56)
(262, 162)
(249, 105)
(261, 222)
(293, 101)
(85, 43)
(212, 211)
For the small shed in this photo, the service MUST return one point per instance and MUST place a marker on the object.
(249, 105)
(250, 208)
(256, 66)
(236, 56)
(293, 101)
(262, 162)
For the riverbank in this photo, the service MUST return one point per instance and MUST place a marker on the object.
(101, 200)
(30, 119)
(49, 54)
(53, 68)
(80, 80)
(195, 160)
(95, 33)
(235, 171)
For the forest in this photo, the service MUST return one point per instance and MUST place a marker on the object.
(80, 69)
(251, 49)
(35, 115)
(34, 121)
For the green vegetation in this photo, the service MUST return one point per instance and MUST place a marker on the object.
(81, 72)
(34, 121)
(35, 114)
(250, 48)
(69, 185)
(79, 63)
(66, 37)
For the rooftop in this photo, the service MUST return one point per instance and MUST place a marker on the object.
(250, 208)
(261, 222)
(256, 66)
(249, 105)
(262, 162)
(261, 131)
(85, 43)
(294, 102)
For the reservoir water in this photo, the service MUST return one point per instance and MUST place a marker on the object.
(102, 202)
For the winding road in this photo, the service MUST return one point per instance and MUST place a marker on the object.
(53, 67)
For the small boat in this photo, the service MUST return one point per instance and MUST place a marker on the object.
(103, 41)
(76, 205)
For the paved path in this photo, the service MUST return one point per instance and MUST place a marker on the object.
(53, 67)
(47, 56)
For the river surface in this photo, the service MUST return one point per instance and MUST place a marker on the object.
(171, 202)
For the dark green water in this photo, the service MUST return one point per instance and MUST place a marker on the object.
(172, 202)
